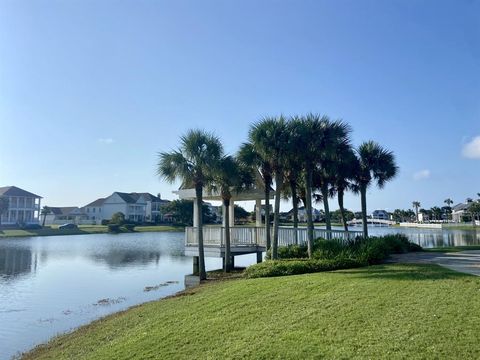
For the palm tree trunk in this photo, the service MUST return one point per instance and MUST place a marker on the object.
(201, 254)
(363, 196)
(293, 188)
(44, 217)
(328, 223)
(308, 198)
(267, 216)
(228, 263)
(276, 214)
(342, 209)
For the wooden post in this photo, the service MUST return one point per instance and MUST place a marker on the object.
(196, 265)
(259, 257)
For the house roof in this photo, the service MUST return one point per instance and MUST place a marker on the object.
(132, 198)
(15, 191)
(98, 202)
(460, 207)
(65, 210)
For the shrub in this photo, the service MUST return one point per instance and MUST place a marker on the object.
(328, 249)
(271, 268)
(105, 222)
(128, 227)
(290, 252)
(113, 228)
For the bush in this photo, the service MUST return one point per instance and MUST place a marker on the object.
(113, 228)
(328, 249)
(105, 222)
(128, 227)
(271, 268)
(290, 252)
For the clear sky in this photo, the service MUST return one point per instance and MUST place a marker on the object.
(91, 91)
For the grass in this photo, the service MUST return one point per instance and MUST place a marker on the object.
(379, 312)
(453, 248)
(53, 230)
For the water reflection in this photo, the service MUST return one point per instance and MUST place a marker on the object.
(17, 261)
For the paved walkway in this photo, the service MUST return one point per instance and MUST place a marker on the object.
(463, 261)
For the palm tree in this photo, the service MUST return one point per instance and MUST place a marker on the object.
(250, 158)
(229, 177)
(269, 138)
(345, 171)
(4, 205)
(449, 203)
(45, 211)
(416, 205)
(193, 163)
(376, 165)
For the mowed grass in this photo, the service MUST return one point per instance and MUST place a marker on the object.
(379, 312)
(53, 230)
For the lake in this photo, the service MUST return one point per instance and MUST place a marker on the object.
(49, 285)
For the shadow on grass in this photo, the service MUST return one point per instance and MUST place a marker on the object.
(406, 272)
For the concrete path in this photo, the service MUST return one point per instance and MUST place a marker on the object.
(464, 261)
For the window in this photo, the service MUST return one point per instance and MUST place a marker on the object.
(99, 209)
(94, 209)
(88, 210)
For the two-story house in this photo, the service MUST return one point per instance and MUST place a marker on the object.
(23, 206)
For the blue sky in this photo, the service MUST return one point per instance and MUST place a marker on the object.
(91, 91)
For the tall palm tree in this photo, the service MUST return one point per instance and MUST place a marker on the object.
(269, 138)
(449, 203)
(44, 212)
(416, 205)
(345, 171)
(376, 165)
(228, 178)
(249, 157)
(193, 163)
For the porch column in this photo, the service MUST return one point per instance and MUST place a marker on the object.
(195, 212)
(258, 213)
(231, 209)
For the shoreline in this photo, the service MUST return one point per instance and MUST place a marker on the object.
(82, 230)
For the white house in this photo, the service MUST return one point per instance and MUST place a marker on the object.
(67, 214)
(23, 206)
(137, 207)
(302, 214)
(460, 210)
(380, 215)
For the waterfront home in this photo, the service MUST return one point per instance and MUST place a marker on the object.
(459, 211)
(66, 214)
(137, 207)
(318, 215)
(23, 206)
(380, 215)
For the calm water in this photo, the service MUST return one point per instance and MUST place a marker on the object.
(50, 285)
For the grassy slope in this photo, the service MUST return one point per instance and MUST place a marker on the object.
(388, 311)
(82, 230)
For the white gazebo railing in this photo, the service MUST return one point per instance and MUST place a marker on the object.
(255, 236)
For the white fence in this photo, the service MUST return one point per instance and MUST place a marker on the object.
(255, 236)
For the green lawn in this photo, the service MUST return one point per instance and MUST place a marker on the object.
(453, 248)
(380, 312)
(82, 230)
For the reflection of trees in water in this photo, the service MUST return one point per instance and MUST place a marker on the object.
(116, 258)
(15, 261)
(445, 238)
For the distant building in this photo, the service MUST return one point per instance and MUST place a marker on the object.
(23, 206)
(67, 214)
(460, 210)
(318, 215)
(380, 215)
(137, 207)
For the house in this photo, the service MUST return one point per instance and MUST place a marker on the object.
(461, 210)
(137, 207)
(380, 215)
(67, 214)
(318, 215)
(23, 206)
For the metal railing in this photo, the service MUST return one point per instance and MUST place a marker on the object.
(255, 236)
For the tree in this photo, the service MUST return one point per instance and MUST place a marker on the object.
(269, 138)
(240, 213)
(227, 178)
(193, 163)
(44, 212)
(118, 218)
(250, 158)
(416, 205)
(4, 205)
(376, 165)
(182, 212)
(474, 209)
(449, 203)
